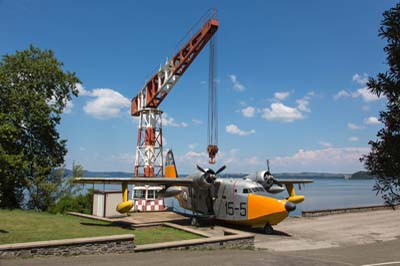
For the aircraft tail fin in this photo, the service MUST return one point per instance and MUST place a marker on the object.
(170, 167)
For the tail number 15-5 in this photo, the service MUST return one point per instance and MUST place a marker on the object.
(231, 210)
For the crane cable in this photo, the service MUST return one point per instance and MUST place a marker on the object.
(212, 147)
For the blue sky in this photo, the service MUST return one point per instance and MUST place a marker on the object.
(292, 78)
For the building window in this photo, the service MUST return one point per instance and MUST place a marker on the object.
(150, 194)
(139, 193)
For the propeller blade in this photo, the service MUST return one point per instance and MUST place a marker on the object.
(210, 171)
(200, 169)
(220, 169)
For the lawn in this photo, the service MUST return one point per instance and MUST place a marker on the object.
(19, 226)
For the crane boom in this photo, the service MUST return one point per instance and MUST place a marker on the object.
(158, 87)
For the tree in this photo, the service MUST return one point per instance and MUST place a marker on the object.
(34, 90)
(69, 188)
(72, 199)
(384, 159)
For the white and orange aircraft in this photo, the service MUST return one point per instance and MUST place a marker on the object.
(244, 201)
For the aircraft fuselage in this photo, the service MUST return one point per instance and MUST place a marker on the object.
(238, 201)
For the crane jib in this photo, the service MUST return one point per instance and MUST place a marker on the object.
(158, 87)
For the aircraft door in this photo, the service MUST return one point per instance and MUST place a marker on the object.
(220, 202)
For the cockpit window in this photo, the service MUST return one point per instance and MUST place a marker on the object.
(253, 190)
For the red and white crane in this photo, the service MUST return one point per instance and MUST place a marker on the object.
(149, 149)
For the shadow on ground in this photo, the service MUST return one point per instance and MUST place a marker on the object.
(121, 225)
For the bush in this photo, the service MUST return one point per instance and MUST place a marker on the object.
(69, 203)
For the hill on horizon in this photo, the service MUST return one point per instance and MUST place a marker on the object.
(356, 175)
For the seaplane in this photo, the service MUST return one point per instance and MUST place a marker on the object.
(242, 201)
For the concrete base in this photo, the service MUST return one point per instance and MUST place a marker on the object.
(214, 238)
(65, 247)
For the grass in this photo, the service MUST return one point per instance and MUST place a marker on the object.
(17, 226)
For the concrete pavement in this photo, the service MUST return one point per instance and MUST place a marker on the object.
(332, 231)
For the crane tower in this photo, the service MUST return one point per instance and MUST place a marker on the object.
(149, 148)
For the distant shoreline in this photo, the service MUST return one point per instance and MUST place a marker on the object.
(302, 175)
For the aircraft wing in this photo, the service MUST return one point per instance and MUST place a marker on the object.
(187, 182)
(294, 181)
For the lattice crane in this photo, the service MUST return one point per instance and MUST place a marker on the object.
(149, 152)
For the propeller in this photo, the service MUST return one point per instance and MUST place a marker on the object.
(210, 176)
(269, 178)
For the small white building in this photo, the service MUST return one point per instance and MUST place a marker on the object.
(145, 198)
(105, 202)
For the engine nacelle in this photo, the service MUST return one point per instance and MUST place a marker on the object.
(200, 181)
(275, 189)
(262, 177)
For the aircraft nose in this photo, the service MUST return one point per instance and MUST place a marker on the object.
(289, 206)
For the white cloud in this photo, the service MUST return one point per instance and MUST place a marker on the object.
(281, 112)
(82, 91)
(302, 104)
(237, 86)
(362, 80)
(235, 130)
(365, 94)
(372, 120)
(248, 111)
(353, 139)
(281, 95)
(107, 104)
(197, 121)
(189, 160)
(354, 126)
(341, 94)
(253, 160)
(325, 144)
(230, 157)
(169, 121)
(336, 160)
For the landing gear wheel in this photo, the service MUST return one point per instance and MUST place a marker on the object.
(268, 229)
(194, 222)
